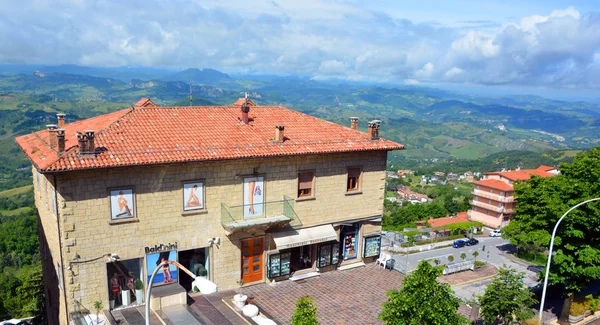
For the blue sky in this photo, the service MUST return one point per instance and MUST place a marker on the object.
(538, 45)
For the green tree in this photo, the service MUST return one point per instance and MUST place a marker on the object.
(475, 254)
(422, 300)
(305, 312)
(506, 299)
(463, 256)
(542, 201)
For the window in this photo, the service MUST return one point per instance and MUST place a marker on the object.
(372, 246)
(353, 179)
(122, 204)
(305, 184)
(328, 254)
(193, 195)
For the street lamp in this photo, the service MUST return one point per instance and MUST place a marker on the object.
(550, 254)
(196, 282)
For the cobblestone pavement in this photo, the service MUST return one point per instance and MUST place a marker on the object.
(352, 296)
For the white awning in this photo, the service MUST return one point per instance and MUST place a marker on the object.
(306, 236)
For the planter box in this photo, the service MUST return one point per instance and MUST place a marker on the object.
(576, 319)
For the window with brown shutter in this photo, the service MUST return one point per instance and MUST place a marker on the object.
(305, 184)
(353, 179)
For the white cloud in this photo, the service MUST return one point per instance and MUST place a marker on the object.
(319, 38)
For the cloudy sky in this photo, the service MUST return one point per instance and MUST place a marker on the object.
(551, 43)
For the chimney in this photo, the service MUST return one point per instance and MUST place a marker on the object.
(82, 142)
(279, 132)
(354, 123)
(60, 136)
(245, 110)
(91, 146)
(374, 129)
(61, 120)
(52, 135)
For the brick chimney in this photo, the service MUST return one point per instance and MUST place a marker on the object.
(354, 123)
(60, 136)
(245, 110)
(52, 135)
(91, 145)
(373, 131)
(82, 142)
(279, 132)
(61, 120)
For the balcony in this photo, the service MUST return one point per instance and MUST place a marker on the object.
(266, 215)
(492, 196)
(486, 206)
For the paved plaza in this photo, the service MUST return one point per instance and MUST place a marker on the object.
(342, 297)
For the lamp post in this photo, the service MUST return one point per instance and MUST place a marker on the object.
(550, 254)
(158, 267)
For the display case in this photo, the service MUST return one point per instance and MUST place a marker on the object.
(279, 265)
(350, 246)
(328, 254)
(372, 246)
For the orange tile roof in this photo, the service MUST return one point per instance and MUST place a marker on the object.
(524, 174)
(149, 134)
(495, 184)
(441, 222)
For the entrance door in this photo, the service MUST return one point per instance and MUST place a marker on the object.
(252, 259)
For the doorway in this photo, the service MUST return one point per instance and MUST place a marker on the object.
(252, 259)
(197, 261)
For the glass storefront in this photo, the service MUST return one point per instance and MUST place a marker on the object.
(350, 241)
(288, 261)
(197, 261)
(122, 276)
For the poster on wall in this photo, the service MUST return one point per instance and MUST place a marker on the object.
(253, 197)
(121, 204)
(168, 273)
(193, 196)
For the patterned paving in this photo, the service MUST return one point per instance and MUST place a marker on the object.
(342, 297)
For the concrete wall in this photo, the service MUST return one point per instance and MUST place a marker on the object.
(84, 211)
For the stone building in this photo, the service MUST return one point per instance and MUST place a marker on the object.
(240, 192)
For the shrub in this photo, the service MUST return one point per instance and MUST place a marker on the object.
(450, 258)
(531, 321)
(305, 313)
(479, 263)
(578, 307)
(138, 284)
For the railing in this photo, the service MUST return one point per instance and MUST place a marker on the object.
(231, 215)
(492, 196)
(486, 206)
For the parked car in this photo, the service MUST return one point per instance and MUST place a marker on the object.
(458, 243)
(471, 241)
(495, 233)
(536, 268)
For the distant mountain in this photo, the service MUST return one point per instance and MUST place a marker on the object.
(197, 76)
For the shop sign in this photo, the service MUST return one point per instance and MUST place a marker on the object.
(161, 248)
(307, 242)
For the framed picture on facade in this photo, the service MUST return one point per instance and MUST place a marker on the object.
(193, 195)
(254, 192)
(168, 273)
(122, 204)
(372, 246)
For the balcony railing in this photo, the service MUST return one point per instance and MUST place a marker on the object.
(486, 206)
(261, 215)
(492, 196)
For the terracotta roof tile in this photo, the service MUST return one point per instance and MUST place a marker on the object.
(524, 174)
(495, 184)
(157, 135)
(441, 222)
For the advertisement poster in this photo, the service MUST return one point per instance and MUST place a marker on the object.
(121, 204)
(253, 197)
(193, 196)
(168, 273)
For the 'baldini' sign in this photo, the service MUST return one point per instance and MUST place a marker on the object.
(161, 248)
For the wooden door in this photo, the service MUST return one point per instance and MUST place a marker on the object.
(252, 259)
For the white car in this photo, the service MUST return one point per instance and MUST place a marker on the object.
(495, 233)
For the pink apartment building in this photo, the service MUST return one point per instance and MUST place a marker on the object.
(493, 203)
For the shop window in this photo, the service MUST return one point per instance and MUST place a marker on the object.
(121, 282)
(328, 254)
(305, 184)
(353, 179)
(279, 264)
(198, 262)
(349, 241)
(372, 246)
